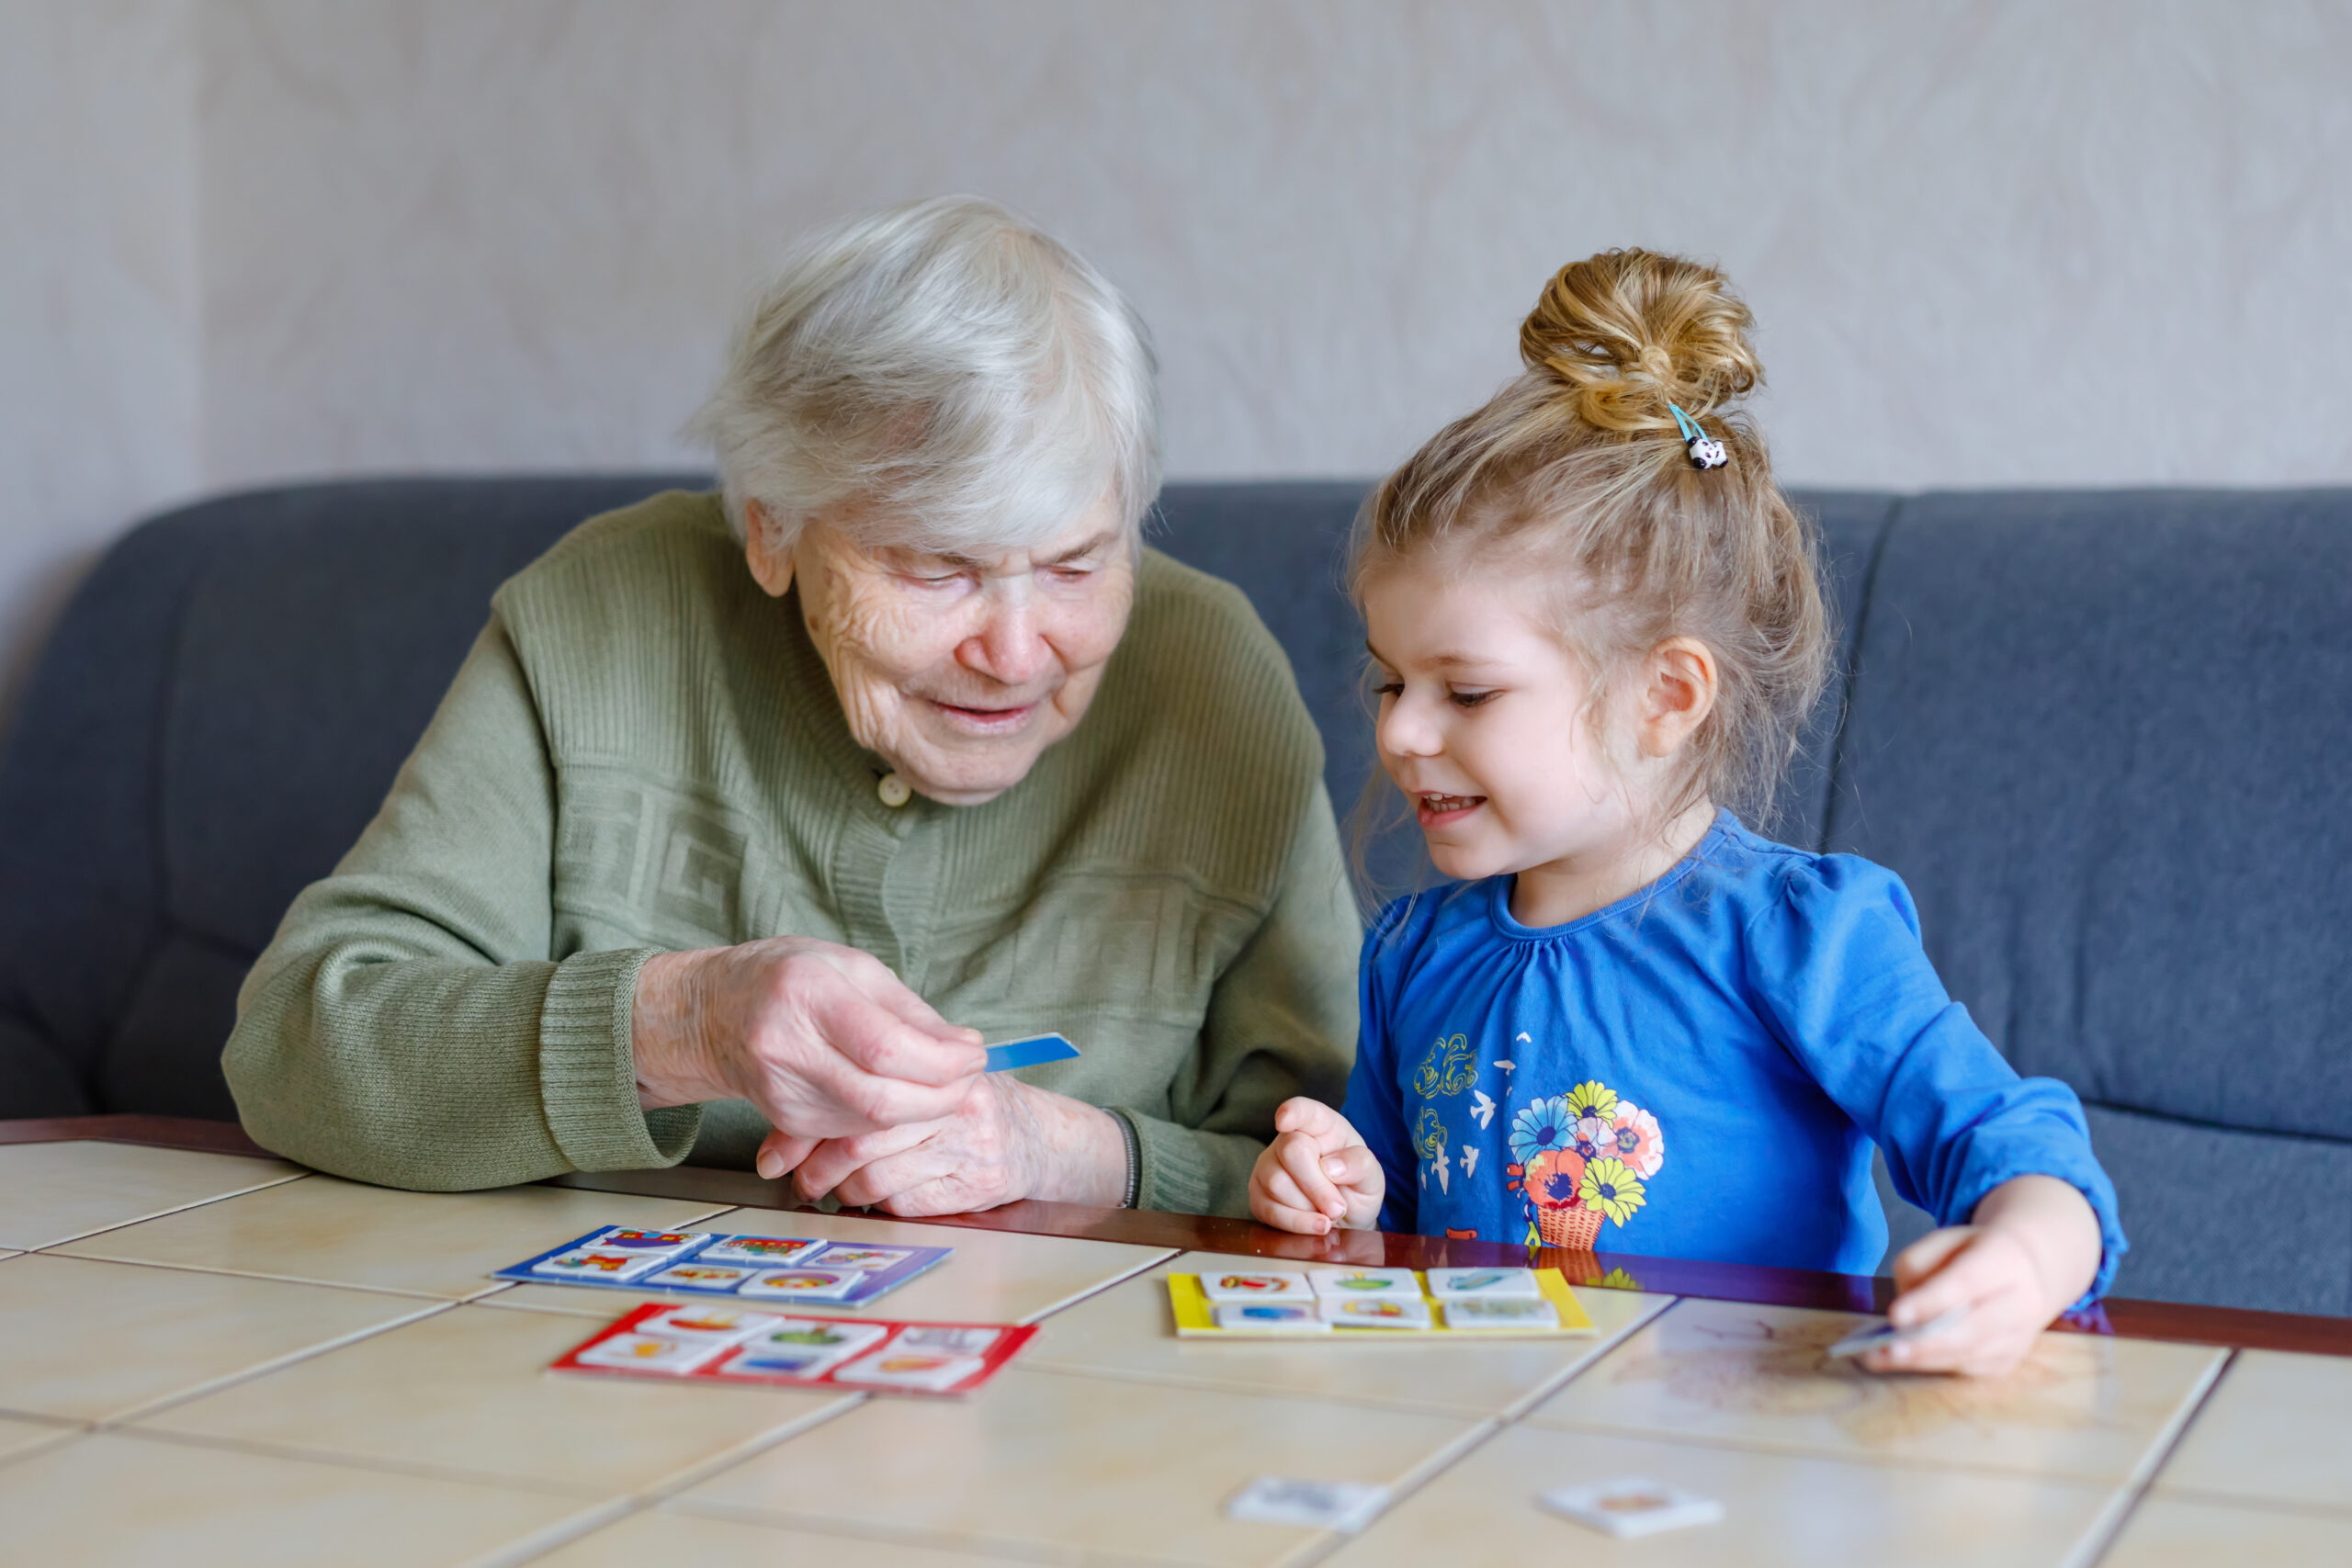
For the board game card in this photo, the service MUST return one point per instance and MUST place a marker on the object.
(803, 1347)
(944, 1340)
(1502, 1311)
(843, 1255)
(894, 1368)
(1265, 1285)
(652, 1352)
(1870, 1336)
(1376, 1312)
(1632, 1507)
(803, 1284)
(664, 1242)
(596, 1263)
(695, 1275)
(1289, 1317)
(768, 1251)
(1344, 1505)
(708, 1323)
(1486, 1284)
(1028, 1053)
(1344, 1284)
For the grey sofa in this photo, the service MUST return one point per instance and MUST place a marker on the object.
(2104, 737)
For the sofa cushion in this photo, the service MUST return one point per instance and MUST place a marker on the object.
(2102, 736)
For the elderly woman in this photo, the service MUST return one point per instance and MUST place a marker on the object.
(750, 816)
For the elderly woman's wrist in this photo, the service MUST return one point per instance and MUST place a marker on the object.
(665, 1046)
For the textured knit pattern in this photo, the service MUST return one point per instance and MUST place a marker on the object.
(643, 753)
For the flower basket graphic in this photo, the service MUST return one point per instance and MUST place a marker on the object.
(1585, 1156)
(1575, 1226)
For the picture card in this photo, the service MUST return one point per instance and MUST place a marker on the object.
(597, 1263)
(1342, 1284)
(1501, 1312)
(1028, 1053)
(1256, 1285)
(1489, 1284)
(761, 1251)
(1344, 1505)
(1632, 1507)
(662, 1339)
(1288, 1317)
(1271, 1309)
(1376, 1314)
(771, 1269)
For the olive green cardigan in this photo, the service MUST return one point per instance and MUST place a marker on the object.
(643, 753)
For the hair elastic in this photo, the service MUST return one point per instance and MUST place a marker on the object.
(1705, 451)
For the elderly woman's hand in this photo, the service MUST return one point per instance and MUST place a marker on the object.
(1007, 1141)
(823, 1040)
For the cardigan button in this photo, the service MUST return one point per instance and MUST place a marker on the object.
(893, 791)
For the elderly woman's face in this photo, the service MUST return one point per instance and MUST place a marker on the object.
(959, 670)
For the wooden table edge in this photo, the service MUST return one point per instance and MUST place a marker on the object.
(2235, 1327)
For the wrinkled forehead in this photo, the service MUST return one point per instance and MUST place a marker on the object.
(884, 531)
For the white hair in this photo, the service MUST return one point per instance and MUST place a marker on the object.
(970, 380)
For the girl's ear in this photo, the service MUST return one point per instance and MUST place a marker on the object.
(1677, 696)
(771, 562)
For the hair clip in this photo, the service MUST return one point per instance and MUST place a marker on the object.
(1706, 452)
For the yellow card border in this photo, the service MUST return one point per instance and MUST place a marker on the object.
(1196, 1319)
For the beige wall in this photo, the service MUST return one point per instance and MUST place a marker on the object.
(1991, 243)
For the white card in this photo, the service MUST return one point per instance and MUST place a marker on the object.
(1347, 1505)
(652, 1352)
(1342, 1284)
(1501, 1312)
(804, 1347)
(708, 1323)
(596, 1263)
(1632, 1507)
(1485, 1284)
(620, 1238)
(701, 1276)
(1376, 1314)
(841, 1255)
(1870, 1336)
(763, 1251)
(1287, 1317)
(895, 1367)
(1255, 1285)
(803, 1284)
(942, 1340)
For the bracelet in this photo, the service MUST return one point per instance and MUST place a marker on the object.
(1135, 1159)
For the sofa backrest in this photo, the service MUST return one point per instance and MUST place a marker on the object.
(2097, 733)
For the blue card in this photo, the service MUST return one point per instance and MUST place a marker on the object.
(1029, 1051)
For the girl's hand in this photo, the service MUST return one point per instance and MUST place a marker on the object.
(1316, 1173)
(2033, 1249)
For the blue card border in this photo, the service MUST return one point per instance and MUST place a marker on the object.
(878, 1282)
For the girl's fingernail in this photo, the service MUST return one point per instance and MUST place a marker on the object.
(1335, 1167)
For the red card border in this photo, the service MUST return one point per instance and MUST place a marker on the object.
(1011, 1337)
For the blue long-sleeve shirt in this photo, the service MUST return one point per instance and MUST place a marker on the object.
(1702, 1068)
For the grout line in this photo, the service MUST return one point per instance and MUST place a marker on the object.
(1243, 1391)
(343, 1459)
(254, 1274)
(2100, 1539)
(1519, 1408)
(2239, 1502)
(1090, 1292)
(1856, 1457)
(750, 1448)
(1323, 1543)
(260, 1368)
(945, 1540)
(563, 1532)
(175, 1209)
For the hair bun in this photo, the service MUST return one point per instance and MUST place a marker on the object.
(1628, 332)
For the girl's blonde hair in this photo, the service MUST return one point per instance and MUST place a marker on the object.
(1578, 471)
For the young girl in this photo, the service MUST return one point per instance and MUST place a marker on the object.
(1597, 623)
